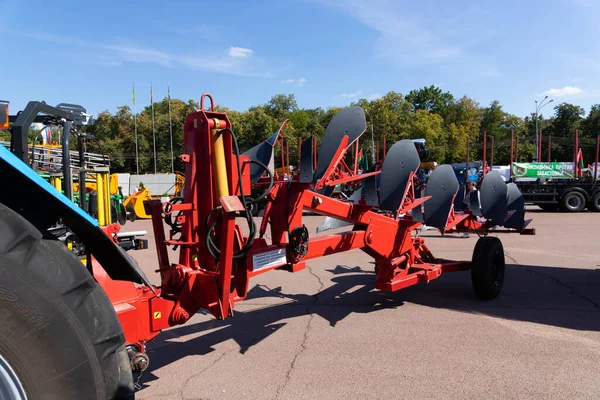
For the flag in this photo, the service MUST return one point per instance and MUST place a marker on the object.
(579, 163)
(151, 92)
(169, 91)
(133, 94)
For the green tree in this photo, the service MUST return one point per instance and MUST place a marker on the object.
(430, 98)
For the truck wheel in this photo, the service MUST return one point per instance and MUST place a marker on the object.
(573, 202)
(487, 269)
(595, 202)
(59, 335)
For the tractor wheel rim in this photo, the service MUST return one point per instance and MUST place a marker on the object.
(574, 202)
(10, 384)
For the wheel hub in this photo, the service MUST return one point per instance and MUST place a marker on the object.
(10, 385)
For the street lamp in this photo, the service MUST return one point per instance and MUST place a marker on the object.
(537, 111)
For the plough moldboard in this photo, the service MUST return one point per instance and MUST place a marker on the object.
(216, 260)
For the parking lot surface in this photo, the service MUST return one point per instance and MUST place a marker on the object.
(325, 333)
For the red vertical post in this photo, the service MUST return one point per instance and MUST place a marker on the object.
(484, 150)
(287, 155)
(512, 149)
(596, 162)
(384, 148)
(282, 147)
(356, 158)
(549, 147)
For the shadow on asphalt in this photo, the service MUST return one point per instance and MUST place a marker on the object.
(562, 297)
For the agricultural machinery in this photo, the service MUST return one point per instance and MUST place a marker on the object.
(74, 331)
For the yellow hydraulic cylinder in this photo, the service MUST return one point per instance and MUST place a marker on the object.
(100, 192)
(218, 163)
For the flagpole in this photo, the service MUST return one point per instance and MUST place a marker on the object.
(153, 132)
(171, 128)
(137, 161)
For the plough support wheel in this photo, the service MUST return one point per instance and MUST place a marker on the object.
(487, 270)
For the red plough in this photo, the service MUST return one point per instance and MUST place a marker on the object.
(216, 260)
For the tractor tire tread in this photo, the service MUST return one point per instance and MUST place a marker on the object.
(50, 270)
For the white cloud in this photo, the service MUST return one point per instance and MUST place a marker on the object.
(239, 52)
(299, 81)
(351, 95)
(566, 91)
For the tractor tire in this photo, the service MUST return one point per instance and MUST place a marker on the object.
(572, 202)
(548, 207)
(59, 335)
(595, 202)
(487, 269)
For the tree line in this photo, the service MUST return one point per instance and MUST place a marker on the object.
(444, 121)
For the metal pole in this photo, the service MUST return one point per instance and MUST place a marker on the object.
(287, 156)
(536, 128)
(549, 147)
(66, 160)
(153, 132)
(517, 149)
(137, 160)
(377, 154)
(171, 130)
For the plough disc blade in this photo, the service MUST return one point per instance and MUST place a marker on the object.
(349, 122)
(263, 153)
(493, 193)
(516, 204)
(400, 161)
(442, 186)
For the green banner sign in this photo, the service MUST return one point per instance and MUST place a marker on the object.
(557, 170)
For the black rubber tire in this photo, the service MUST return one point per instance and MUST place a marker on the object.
(572, 202)
(488, 267)
(58, 329)
(548, 207)
(594, 204)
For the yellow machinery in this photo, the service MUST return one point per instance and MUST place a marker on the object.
(103, 190)
(135, 203)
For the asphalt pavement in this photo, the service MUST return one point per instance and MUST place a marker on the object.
(326, 333)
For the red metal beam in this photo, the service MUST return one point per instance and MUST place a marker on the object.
(384, 148)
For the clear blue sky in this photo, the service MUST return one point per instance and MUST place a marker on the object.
(326, 52)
